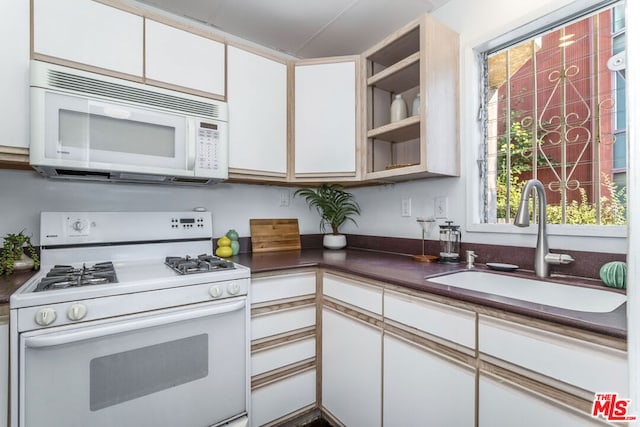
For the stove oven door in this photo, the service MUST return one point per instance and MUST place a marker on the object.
(175, 367)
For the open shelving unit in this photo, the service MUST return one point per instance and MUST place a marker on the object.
(420, 58)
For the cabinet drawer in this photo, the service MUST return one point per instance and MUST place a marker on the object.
(274, 358)
(353, 292)
(592, 367)
(281, 287)
(501, 402)
(283, 321)
(283, 397)
(451, 323)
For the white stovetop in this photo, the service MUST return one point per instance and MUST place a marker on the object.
(143, 275)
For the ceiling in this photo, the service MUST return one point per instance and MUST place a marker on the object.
(304, 29)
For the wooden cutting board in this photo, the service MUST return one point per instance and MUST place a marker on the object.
(274, 234)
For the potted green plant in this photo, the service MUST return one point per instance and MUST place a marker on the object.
(335, 207)
(13, 256)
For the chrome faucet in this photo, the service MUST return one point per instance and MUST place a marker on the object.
(542, 257)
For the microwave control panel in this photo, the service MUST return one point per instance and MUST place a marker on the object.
(209, 148)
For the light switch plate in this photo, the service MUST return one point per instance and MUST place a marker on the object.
(406, 207)
(440, 207)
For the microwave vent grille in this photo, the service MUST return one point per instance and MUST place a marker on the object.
(87, 85)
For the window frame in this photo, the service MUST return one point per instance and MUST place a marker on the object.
(476, 158)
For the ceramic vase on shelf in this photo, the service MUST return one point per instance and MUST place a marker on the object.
(398, 109)
(415, 107)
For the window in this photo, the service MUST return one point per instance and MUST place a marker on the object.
(554, 111)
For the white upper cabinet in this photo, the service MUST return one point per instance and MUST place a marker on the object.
(325, 118)
(257, 99)
(89, 33)
(14, 73)
(183, 59)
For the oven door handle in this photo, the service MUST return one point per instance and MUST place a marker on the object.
(61, 338)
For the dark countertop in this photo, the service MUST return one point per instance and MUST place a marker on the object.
(401, 270)
(9, 284)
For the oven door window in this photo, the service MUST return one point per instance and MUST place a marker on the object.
(102, 132)
(173, 368)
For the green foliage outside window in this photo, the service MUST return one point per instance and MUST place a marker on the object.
(582, 211)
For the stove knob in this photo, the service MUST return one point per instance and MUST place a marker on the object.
(233, 288)
(77, 312)
(45, 316)
(215, 291)
(78, 225)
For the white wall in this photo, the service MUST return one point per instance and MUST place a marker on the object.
(477, 23)
(24, 194)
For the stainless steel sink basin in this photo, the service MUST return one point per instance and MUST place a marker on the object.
(536, 291)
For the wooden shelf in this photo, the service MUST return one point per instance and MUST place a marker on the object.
(403, 130)
(399, 77)
(14, 157)
(420, 58)
(397, 46)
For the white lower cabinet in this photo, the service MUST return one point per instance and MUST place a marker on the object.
(285, 396)
(283, 357)
(504, 404)
(351, 370)
(589, 366)
(422, 388)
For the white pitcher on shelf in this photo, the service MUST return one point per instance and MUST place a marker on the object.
(398, 109)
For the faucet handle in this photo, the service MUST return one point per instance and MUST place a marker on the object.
(558, 258)
(471, 256)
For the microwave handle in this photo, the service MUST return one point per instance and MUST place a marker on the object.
(192, 148)
(87, 333)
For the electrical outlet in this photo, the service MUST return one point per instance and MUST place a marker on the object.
(284, 198)
(440, 207)
(406, 207)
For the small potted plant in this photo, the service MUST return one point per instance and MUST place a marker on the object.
(13, 256)
(335, 207)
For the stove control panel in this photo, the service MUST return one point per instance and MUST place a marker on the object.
(63, 228)
(188, 222)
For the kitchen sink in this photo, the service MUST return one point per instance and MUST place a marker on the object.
(535, 291)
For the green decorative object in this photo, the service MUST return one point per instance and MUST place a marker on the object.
(235, 247)
(232, 234)
(12, 256)
(614, 274)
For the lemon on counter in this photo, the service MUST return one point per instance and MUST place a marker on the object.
(224, 251)
(224, 241)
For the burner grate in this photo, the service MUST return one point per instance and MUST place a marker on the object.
(201, 264)
(66, 276)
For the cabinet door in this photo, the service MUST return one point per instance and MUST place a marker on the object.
(421, 388)
(351, 370)
(325, 118)
(14, 73)
(502, 404)
(183, 59)
(257, 98)
(90, 33)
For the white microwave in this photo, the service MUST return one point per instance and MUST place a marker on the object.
(92, 127)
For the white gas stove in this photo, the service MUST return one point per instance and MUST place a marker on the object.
(132, 314)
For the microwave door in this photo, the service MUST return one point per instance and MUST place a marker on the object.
(103, 134)
(123, 135)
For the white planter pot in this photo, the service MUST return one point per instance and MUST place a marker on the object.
(334, 241)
